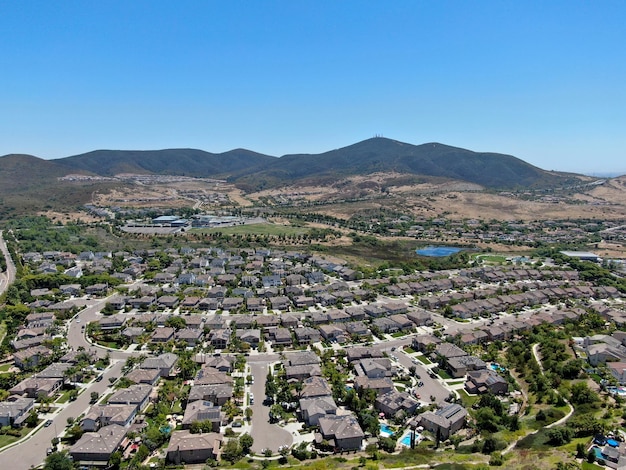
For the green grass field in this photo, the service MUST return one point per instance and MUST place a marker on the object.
(489, 258)
(257, 229)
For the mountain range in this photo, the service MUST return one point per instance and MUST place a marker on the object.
(253, 171)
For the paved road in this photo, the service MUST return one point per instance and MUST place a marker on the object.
(7, 277)
(265, 435)
(32, 451)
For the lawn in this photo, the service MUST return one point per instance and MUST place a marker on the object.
(423, 359)
(443, 374)
(591, 466)
(398, 334)
(467, 400)
(64, 398)
(6, 440)
(5, 367)
(455, 382)
(258, 229)
(409, 350)
(490, 258)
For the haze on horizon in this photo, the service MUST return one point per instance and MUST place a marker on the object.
(540, 81)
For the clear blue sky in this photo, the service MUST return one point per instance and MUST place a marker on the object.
(542, 80)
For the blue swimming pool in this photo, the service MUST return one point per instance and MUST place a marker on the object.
(612, 442)
(438, 251)
(406, 440)
(385, 431)
(598, 452)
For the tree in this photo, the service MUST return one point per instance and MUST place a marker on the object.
(32, 419)
(94, 397)
(591, 456)
(388, 444)
(559, 436)
(581, 394)
(115, 460)
(58, 461)
(490, 445)
(486, 420)
(232, 451)
(246, 441)
(248, 413)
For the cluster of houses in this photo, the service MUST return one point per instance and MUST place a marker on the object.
(106, 425)
(337, 426)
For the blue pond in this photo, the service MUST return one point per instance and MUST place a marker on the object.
(438, 251)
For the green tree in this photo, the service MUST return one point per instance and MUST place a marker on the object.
(581, 394)
(58, 461)
(32, 419)
(246, 441)
(559, 436)
(232, 450)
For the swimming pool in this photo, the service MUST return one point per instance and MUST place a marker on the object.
(497, 367)
(598, 452)
(617, 390)
(385, 431)
(438, 251)
(612, 442)
(406, 440)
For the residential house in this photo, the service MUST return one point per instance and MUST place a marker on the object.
(31, 357)
(486, 381)
(144, 376)
(312, 409)
(459, 366)
(342, 432)
(187, 448)
(163, 335)
(445, 421)
(315, 387)
(618, 370)
(100, 416)
(201, 411)
(165, 364)
(307, 335)
(373, 368)
(94, 449)
(218, 394)
(138, 395)
(36, 387)
(15, 410)
(394, 402)
(220, 339)
(379, 385)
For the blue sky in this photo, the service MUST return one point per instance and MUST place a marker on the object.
(544, 81)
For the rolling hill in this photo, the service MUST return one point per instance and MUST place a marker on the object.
(182, 162)
(491, 170)
(30, 179)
